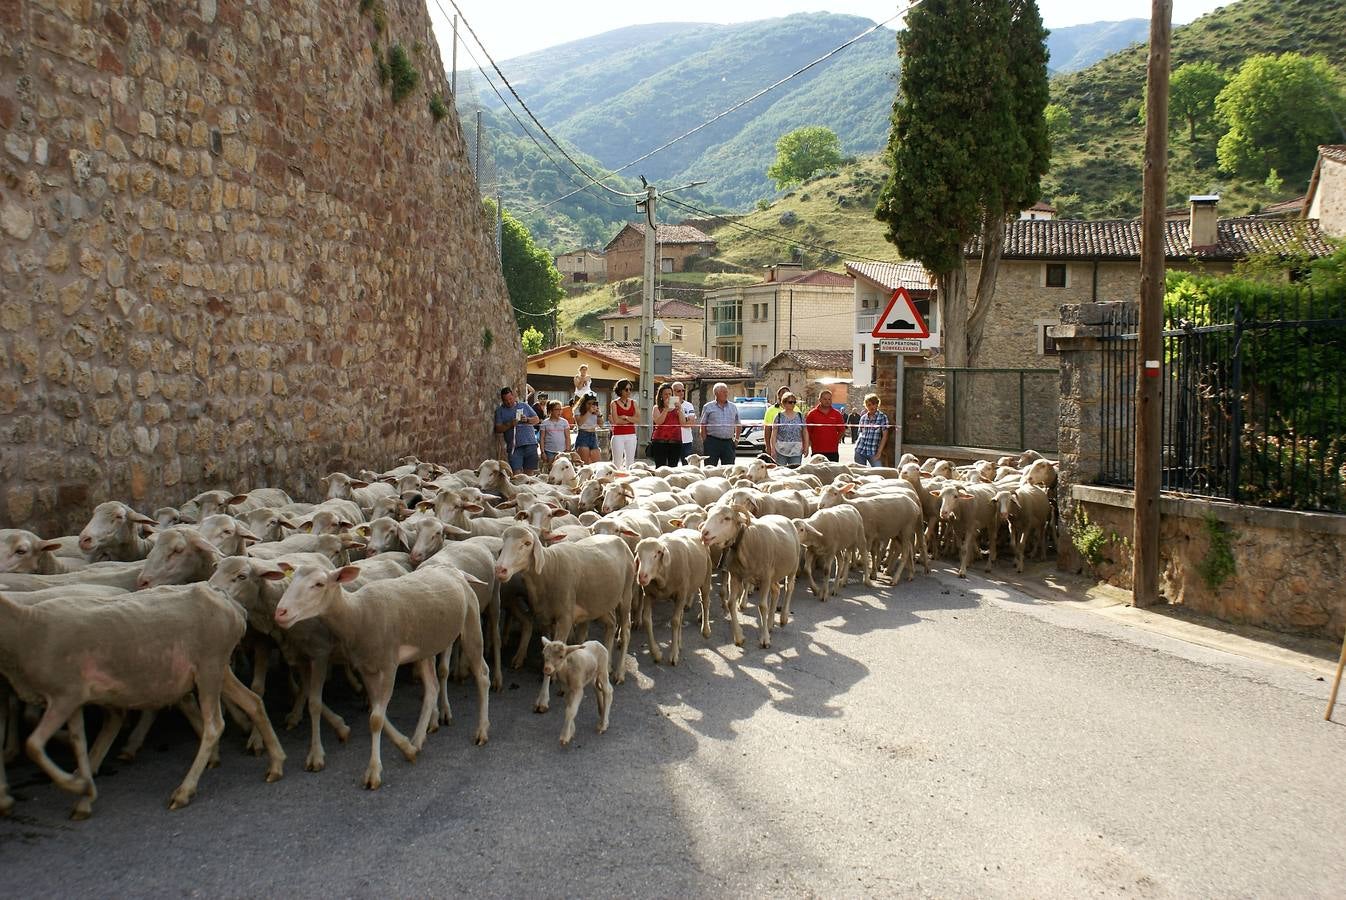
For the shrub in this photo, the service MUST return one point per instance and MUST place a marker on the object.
(404, 74)
(1218, 563)
(788, 218)
(438, 108)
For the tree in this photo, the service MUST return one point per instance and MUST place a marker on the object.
(530, 273)
(1192, 90)
(1058, 120)
(968, 146)
(802, 152)
(532, 341)
(1277, 109)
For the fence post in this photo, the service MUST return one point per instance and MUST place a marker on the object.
(950, 409)
(1236, 422)
(1023, 437)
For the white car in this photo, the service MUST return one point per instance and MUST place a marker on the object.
(752, 439)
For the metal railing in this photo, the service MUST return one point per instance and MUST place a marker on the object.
(864, 324)
(1254, 400)
(995, 409)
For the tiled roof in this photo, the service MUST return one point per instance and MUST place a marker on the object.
(815, 359)
(686, 366)
(1042, 206)
(663, 309)
(1291, 207)
(811, 276)
(578, 250)
(1120, 239)
(891, 276)
(1334, 152)
(667, 234)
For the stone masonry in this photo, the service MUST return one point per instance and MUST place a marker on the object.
(227, 258)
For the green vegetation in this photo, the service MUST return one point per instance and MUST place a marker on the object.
(1096, 170)
(1191, 97)
(968, 147)
(1278, 110)
(578, 316)
(802, 153)
(532, 341)
(487, 338)
(438, 108)
(1088, 537)
(530, 273)
(404, 74)
(1218, 563)
(381, 63)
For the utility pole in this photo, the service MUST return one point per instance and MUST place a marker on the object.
(646, 402)
(453, 75)
(1150, 382)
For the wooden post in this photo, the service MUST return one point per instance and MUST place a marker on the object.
(1149, 383)
(1336, 682)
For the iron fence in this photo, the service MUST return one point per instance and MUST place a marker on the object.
(996, 409)
(1254, 399)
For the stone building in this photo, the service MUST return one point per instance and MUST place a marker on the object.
(674, 244)
(1325, 202)
(228, 258)
(685, 322)
(807, 372)
(792, 308)
(582, 266)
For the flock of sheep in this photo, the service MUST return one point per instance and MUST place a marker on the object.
(415, 566)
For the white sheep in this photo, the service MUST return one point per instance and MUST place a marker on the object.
(674, 566)
(574, 666)
(765, 555)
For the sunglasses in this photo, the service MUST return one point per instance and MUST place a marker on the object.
(789, 403)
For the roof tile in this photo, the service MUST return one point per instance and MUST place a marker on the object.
(663, 309)
(686, 366)
(1238, 238)
(910, 275)
(816, 359)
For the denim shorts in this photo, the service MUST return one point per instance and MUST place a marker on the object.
(524, 458)
(587, 440)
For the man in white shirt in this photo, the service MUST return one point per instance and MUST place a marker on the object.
(688, 411)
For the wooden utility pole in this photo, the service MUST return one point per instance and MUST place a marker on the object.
(1150, 381)
(646, 401)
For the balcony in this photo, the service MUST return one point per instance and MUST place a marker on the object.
(728, 329)
(864, 324)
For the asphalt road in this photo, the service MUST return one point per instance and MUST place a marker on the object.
(942, 738)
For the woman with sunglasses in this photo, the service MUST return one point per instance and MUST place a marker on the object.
(791, 442)
(622, 416)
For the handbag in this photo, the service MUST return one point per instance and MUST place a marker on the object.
(789, 448)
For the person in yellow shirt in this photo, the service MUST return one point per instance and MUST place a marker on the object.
(769, 433)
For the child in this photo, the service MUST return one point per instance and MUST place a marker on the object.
(555, 433)
(587, 422)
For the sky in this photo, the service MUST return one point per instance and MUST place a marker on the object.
(512, 29)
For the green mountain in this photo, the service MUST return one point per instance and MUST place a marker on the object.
(1096, 169)
(620, 94)
(1079, 46)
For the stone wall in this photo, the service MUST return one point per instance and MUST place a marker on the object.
(228, 259)
(1286, 565)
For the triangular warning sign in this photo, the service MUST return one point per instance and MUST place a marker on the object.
(900, 319)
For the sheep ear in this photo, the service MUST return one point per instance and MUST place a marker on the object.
(362, 530)
(347, 573)
(539, 558)
(286, 523)
(555, 538)
(558, 511)
(676, 523)
(285, 567)
(306, 526)
(278, 574)
(49, 547)
(478, 508)
(425, 505)
(454, 530)
(236, 499)
(546, 642)
(200, 543)
(356, 483)
(472, 579)
(245, 534)
(345, 526)
(133, 516)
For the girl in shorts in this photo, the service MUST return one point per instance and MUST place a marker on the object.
(555, 433)
(587, 422)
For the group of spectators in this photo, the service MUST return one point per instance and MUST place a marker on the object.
(790, 435)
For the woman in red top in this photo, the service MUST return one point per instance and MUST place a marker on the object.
(622, 415)
(666, 440)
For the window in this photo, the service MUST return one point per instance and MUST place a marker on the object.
(1056, 275)
(626, 332)
(666, 264)
(581, 277)
(862, 351)
(612, 332)
(677, 332)
(1046, 345)
(580, 260)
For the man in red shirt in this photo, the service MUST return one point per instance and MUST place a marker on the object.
(826, 426)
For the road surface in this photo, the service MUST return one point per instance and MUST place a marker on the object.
(946, 737)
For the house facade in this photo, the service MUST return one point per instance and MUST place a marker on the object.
(808, 372)
(674, 244)
(553, 371)
(792, 309)
(1325, 202)
(582, 266)
(874, 287)
(685, 322)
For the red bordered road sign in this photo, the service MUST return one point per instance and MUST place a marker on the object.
(900, 319)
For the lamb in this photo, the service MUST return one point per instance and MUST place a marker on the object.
(146, 650)
(382, 535)
(563, 473)
(574, 666)
(23, 551)
(893, 516)
(674, 566)
(835, 536)
(181, 555)
(341, 486)
(410, 619)
(268, 523)
(765, 554)
(972, 509)
(572, 583)
(113, 533)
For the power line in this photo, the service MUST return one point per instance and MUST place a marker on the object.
(524, 106)
(741, 103)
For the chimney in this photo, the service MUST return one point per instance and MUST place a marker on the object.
(1204, 218)
(623, 308)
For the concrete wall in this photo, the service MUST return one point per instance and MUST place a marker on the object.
(693, 337)
(227, 259)
(819, 316)
(591, 266)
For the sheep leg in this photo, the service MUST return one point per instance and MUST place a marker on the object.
(213, 727)
(603, 694)
(924, 545)
(6, 734)
(525, 635)
(317, 711)
(573, 698)
(138, 735)
(425, 668)
(647, 615)
(379, 687)
(766, 605)
(6, 801)
(355, 683)
(84, 805)
(969, 546)
(735, 628)
(810, 563)
(112, 726)
(445, 713)
(493, 633)
(675, 626)
(9, 723)
(784, 596)
(623, 637)
(472, 649)
(251, 705)
(58, 711)
(261, 661)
